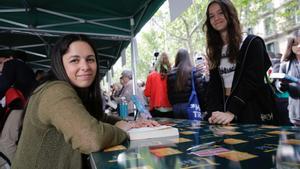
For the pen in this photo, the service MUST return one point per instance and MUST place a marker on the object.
(204, 145)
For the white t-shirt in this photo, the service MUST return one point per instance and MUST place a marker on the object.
(226, 68)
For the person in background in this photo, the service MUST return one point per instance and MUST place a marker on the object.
(280, 98)
(127, 91)
(17, 73)
(141, 84)
(291, 66)
(115, 89)
(179, 84)
(16, 83)
(236, 90)
(156, 88)
(201, 63)
(39, 75)
(64, 116)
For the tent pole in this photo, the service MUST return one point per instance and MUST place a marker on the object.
(134, 55)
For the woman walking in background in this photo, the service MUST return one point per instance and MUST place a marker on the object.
(179, 84)
(291, 66)
(156, 88)
(236, 90)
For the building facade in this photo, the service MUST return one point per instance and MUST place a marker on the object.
(279, 19)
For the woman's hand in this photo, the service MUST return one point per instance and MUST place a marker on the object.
(218, 117)
(144, 123)
(125, 126)
(136, 124)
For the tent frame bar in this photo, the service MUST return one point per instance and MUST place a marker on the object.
(107, 36)
(12, 10)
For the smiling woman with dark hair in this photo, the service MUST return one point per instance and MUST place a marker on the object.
(237, 91)
(64, 120)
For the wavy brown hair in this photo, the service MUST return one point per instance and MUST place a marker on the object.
(90, 97)
(163, 65)
(289, 54)
(213, 38)
(184, 67)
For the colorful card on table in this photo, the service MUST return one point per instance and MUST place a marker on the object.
(230, 133)
(280, 132)
(234, 141)
(210, 152)
(180, 140)
(162, 152)
(188, 132)
(236, 155)
(269, 127)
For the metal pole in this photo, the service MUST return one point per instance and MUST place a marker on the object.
(134, 55)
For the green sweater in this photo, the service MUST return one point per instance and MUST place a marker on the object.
(57, 129)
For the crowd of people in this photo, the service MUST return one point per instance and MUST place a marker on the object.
(62, 111)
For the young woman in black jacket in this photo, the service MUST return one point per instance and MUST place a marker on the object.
(237, 91)
(179, 84)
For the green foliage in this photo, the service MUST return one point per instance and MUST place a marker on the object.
(186, 31)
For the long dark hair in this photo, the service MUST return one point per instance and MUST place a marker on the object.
(163, 65)
(289, 54)
(184, 67)
(213, 38)
(91, 97)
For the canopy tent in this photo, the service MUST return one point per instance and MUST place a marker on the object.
(37, 47)
(33, 26)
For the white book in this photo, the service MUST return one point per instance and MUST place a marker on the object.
(152, 132)
(284, 76)
(161, 141)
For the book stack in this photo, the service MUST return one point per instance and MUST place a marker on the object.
(152, 132)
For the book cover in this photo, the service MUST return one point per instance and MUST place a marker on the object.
(152, 132)
(284, 76)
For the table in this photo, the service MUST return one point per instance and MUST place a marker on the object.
(247, 146)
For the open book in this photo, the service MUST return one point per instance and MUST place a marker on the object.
(152, 132)
(285, 77)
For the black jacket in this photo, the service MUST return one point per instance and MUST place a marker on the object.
(250, 95)
(183, 96)
(19, 75)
